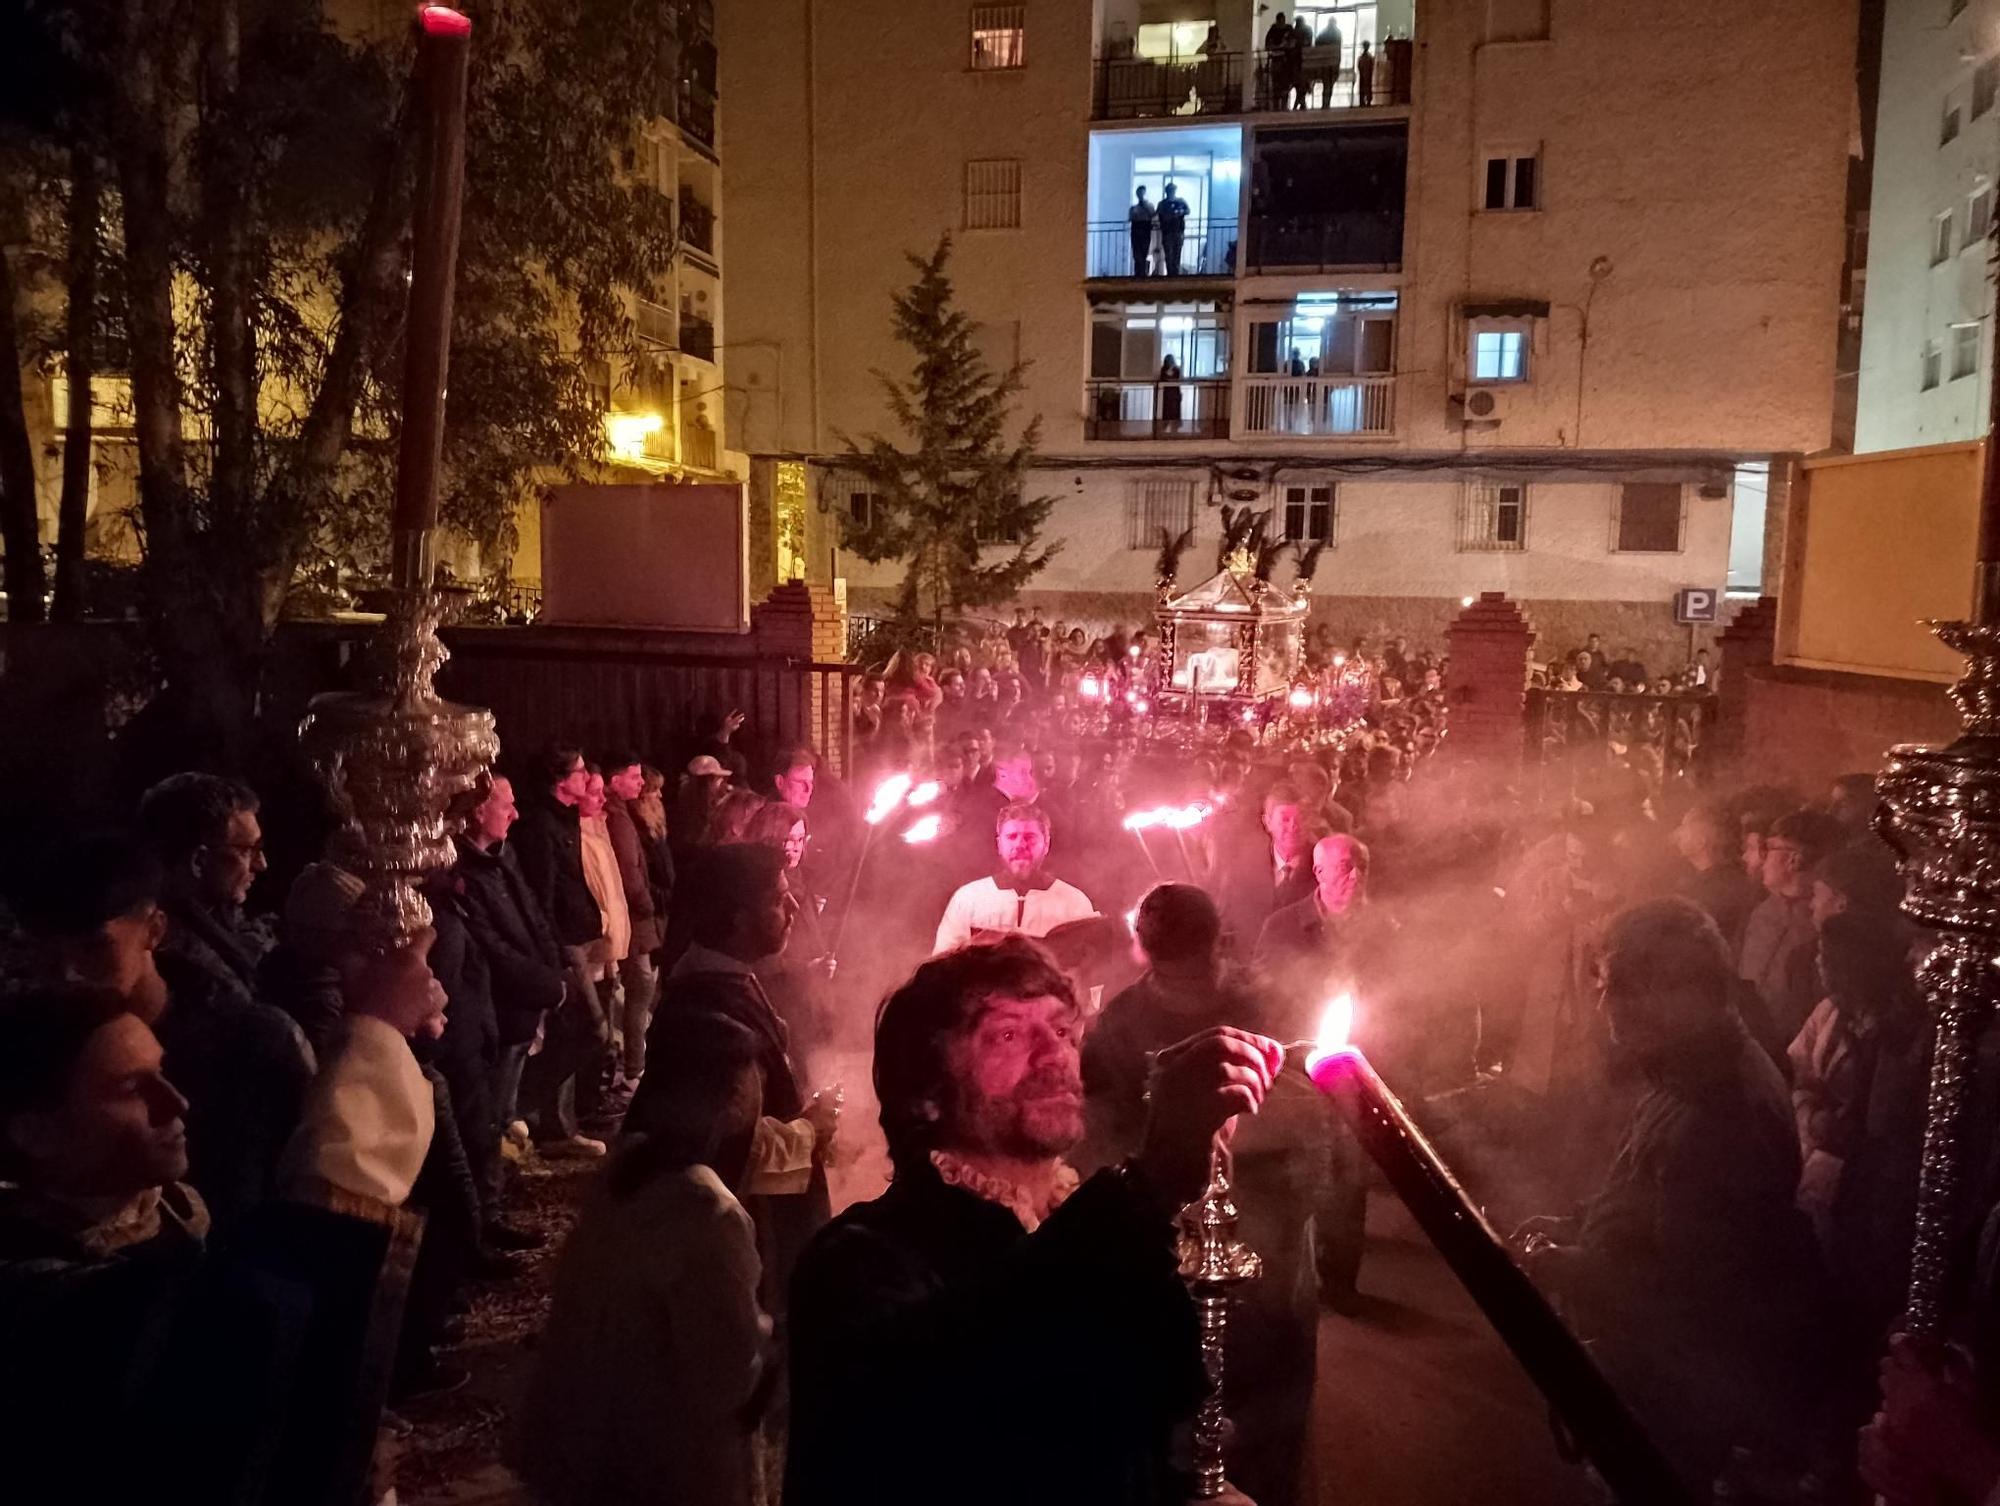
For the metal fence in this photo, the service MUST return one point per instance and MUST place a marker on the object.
(1318, 406)
(1189, 409)
(1326, 79)
(1577, 738)
(1143, 88)
(1207, 248)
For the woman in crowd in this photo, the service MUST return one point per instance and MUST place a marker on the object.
(796, 978)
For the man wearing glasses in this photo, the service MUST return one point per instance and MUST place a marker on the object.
(204, 831)
(1779, 941)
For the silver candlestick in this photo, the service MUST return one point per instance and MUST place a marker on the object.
(1213, 1260)
(1941, 813)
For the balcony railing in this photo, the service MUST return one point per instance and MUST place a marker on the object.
(1207, 248)
(1193, 408)
(1318, 407)
(697, 223)
(697, 111)
(1318, 80)
(1322, 242)
(697, 338)
(1141, 88)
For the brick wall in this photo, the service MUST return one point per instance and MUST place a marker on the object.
(1489, 643)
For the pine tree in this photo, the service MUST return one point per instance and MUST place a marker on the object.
(959, 482)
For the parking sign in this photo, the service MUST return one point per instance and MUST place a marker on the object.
(1696, 604)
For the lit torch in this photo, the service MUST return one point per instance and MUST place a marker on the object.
(889, 797)
(1628, 1461)
(923, 829)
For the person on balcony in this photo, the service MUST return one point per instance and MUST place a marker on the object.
(1140, 220)
(1364, 76)
(1170, 392)
(1323, 63)
(1282, 58)
(1172, 217)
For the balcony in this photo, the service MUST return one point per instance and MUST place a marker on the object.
(697, 338)
(1206, 249)
(1325, 242)
(697, 111)
(1318, 407)
(1136, 88)
(1195, 408)
(1316, 80)
(697, 224)
(656, 324)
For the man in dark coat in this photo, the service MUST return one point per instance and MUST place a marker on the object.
(1279, 1163)
(145, 1359)
(524, 963)
(986, 1275)
(566, 1079)
(96, 909)
(1692, 1267)
(638, 972)
(740, 914)
(1264, 872)
(1708, 843)
(1778, 950)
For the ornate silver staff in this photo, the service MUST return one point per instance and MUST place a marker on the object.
(1213, 1260)
(395, 756)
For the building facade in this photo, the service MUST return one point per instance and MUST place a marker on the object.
(1926, 357)
(1480, 294)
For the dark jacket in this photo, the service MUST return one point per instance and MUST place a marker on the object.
(524, 965)
(923, 1316)
(244, 1068)
(548, 841)
(468, 1053)
(784, 1222)
(1249, 892)
(247, 1370)
(1693, 1268)
(1727, 893)
(633, 873)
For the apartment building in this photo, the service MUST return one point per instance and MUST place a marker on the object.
(1926, 341)
(1529, 295)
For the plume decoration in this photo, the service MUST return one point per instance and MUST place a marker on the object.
(1172, 547)
(1308, 561)
(1242, 531)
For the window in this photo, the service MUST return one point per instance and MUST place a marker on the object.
(861, 509)
(987, 531)
(1649, 517)
(1493, 516)
(1964, 350)
(1948, 131)
(1332, 334)
(1132, 341)
(1985, 86)
(1512, 181)
(1308, 513)
(1498, 355)
(993, 194)
(999, 36)
(1933, 368)
(1156, 507)
(1941, 239)
(1978, 218)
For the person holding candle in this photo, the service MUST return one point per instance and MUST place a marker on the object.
(1691, 1266)
(934, 1319)
(1280, 1163)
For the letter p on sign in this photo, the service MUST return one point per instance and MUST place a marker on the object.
(1696, 604)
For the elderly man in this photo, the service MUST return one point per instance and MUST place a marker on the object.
(940, 1312)
(1692, 1267)
(1020, 896)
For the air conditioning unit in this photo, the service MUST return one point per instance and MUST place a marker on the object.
(1486, 405)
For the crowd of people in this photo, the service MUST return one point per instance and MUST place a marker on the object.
(253, 1161)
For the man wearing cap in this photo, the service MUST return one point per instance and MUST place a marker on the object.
(1019, 895)
(704, 765)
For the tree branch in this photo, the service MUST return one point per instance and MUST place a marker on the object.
(80, 324)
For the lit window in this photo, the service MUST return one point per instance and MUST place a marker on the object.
(1964, 350)
(1933, 367)
(1511, 180)
(1499, 355)
(1493, 516)
(1308, 513)
(1649, 517)
(993, 194)
(1948, 130)
(1941, 239)
(999, 36)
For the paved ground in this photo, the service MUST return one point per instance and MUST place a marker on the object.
(1418, 1404)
